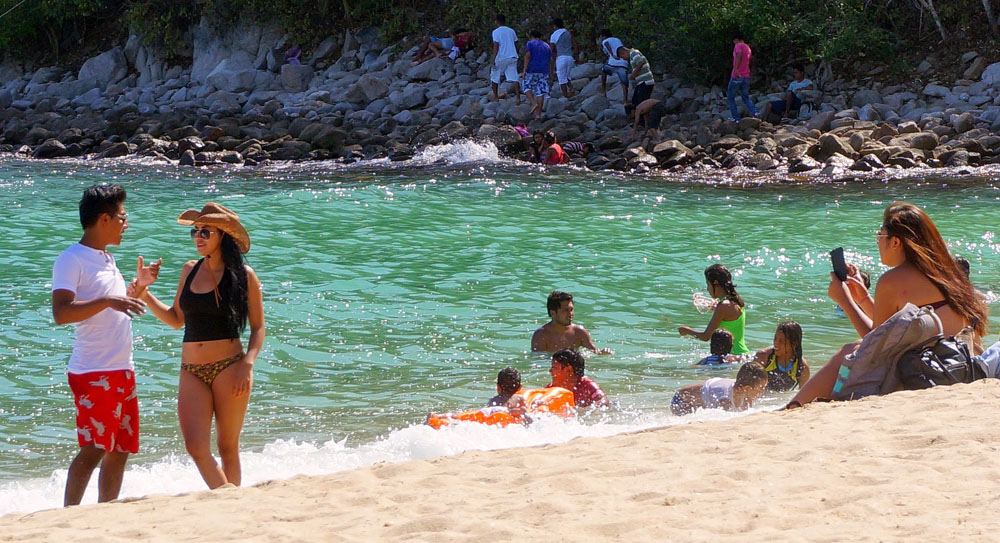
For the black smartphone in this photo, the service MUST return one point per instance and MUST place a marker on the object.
(839, 266)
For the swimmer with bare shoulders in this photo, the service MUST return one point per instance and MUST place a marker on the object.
(560, 332)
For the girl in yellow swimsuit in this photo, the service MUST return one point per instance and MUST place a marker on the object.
(783, 361)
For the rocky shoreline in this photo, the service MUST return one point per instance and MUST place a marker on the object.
(354, 98)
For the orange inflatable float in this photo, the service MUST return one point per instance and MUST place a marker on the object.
(555, 400)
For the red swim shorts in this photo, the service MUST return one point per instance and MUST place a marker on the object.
(107, 410)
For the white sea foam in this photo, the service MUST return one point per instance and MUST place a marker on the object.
(458, 152)
(283, 459)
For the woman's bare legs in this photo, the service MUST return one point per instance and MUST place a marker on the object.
(230, 412)
(195, 407)
(820, 385)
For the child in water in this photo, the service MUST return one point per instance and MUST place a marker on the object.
(783, 362)
(729, 394)
(508, 383)
(730, 312)
(721, 345)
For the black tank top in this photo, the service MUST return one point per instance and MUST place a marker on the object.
(204, 319)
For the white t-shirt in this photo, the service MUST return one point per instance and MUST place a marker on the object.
(104, 341)
(564, 42)
(796, 86)
(506, 37)
(715, 390)
(610, 46)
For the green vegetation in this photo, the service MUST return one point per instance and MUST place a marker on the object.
(692, 36)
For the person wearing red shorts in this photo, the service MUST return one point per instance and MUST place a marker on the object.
(89, 291)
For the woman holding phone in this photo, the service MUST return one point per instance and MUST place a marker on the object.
(216, 298)
(922, 272)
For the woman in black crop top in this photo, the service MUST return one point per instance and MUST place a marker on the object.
(216, 298)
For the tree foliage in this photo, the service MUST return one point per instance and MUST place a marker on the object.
(690, 35)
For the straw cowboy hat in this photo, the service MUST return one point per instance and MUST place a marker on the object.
(221, 217)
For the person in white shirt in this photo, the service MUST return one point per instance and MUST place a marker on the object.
(614, 65)
(504, 58)
(89, 291)
(563, 55)
(792, 102)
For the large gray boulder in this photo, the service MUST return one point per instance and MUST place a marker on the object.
(586, 70)
(865, 97)
(9, 72)
(48, 74)
(432, 70)
(88, 99)
(410, 97)
(325, 49)
(936, 91)
(367, 89)
(594, 105)
(232, 77)
(821, 121)
(963, 122)
(991, 75)
(52, 148)
(104, 69)
(830, 145)
(150, 68)
(244, 46)
(6, 99)
(296, 77)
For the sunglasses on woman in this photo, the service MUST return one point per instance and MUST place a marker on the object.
(203, 233)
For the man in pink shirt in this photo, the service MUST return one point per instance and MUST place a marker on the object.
(567, 372)
(739, 78)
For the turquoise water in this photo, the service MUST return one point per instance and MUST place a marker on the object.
(391, 291)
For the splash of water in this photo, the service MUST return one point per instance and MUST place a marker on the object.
(282, 459)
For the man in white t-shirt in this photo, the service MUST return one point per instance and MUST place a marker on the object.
(789, 106)
(614, 65)
(504, 58)
(563, 55)
(89, 291)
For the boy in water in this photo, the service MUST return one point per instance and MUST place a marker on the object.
(560, 332)
(729, 394)
(508, 383)
(720, 346)
(567, 372)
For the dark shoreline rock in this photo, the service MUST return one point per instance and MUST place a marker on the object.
(235, 105)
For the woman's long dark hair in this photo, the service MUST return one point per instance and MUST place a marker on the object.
(926, 250)
(717, 273)
(236, 271)
(793, 334)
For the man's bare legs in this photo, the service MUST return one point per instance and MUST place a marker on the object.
(109, 481)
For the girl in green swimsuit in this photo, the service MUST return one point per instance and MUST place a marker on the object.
(730, 313)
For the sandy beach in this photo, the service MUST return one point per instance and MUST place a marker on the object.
(913, 466)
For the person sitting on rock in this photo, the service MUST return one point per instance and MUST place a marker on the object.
(554, 153)
(433, 47)
(577, 148)
(537, 146)
(790, 105)
(292, 54)
(463, 42)
(650, 112)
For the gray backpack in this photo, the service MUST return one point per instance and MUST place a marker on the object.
(871, 369)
